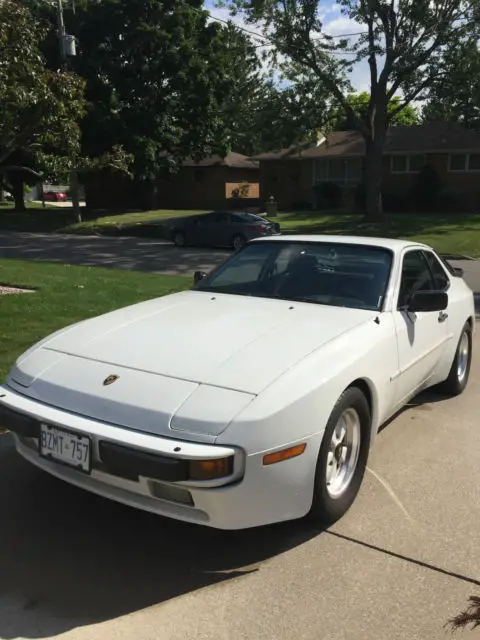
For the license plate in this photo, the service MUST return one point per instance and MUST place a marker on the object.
(66, 447)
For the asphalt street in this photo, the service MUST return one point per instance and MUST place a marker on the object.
(137, 254)
(397, 566)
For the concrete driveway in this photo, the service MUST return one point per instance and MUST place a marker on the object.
(402, 561)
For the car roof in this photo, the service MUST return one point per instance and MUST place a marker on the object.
(385, 243)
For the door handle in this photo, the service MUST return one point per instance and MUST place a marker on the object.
(442, 316)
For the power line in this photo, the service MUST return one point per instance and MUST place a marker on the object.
(272, 42)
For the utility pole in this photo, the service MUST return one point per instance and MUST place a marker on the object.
(67, 48)
(61, 32)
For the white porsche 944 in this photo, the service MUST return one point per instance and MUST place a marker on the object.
(256, 396)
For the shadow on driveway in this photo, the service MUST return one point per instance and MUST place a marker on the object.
(69, 558)
(135, 254)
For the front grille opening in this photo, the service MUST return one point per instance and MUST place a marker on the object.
(170, 493)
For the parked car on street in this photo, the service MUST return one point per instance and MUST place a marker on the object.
(55, 196)
(220, 229)
(256, 396)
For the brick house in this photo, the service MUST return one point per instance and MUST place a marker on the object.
(290, 175)
(211, 183)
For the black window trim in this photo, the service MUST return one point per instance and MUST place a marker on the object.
(447, 275)
(423, 253)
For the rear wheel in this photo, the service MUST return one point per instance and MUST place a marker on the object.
(457, 379)
(238, 242)
(179, 239)
(343, 457)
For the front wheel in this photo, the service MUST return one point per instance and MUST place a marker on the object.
(457, 379)
(343, 457)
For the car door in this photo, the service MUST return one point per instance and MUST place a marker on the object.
(214, 230)
(422, 337)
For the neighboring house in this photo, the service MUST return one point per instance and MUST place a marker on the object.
(211, 183)
(290, 175)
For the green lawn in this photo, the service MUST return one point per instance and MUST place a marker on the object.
(60, 220)
(448, 233)
(66, 294)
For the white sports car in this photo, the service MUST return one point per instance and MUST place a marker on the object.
(256, 396)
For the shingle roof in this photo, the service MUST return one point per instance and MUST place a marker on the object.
(232, 160)
(431, 137)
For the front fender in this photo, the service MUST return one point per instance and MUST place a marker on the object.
(298, 405)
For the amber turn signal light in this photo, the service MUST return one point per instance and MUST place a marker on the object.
(210, 469)
(285, 454)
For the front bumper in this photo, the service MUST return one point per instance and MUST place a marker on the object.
(254, 495)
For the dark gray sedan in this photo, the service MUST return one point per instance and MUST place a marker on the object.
(220, 229)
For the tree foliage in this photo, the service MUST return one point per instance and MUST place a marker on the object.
(39, 108)
(457, 98)
(402, 41)
(155, 79)
(406, 117)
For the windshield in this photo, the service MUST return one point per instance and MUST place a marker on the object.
(330, 273)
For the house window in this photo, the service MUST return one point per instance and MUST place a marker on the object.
(474, 162)
(399, 164)
(321, 170)
(462, 162)
(458, 162)
(341, 171)
(407, 164)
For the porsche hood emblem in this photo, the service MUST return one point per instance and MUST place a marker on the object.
(110, 380)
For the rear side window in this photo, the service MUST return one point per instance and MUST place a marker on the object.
(440, 278)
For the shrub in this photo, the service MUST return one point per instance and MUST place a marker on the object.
(426, 189)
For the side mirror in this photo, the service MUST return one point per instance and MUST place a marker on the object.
(199, 276)
(424, 301)
(458, 271)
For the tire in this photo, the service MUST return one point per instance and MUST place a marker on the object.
(179, 239)
(238, 242)
(332, 499)
(457, 379)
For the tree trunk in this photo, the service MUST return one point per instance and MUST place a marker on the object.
(18, 193)
(373, 179)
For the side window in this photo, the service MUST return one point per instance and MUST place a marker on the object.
(440, 278)
(416, 276)
(218, 218)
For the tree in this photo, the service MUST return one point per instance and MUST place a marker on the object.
(457, 98)
(276, 117)
(406, 117)
(403, 42)
(155, 80)
(39, 108)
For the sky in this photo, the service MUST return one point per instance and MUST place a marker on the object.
(334, 23)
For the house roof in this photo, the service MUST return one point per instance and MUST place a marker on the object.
(426, 138)
(232, 160)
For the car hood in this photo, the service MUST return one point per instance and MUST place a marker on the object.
(234, 342)
(182, 355)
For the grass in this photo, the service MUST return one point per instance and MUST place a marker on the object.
(60, 220)
(126, 221)
(66, 294)
(447, 233)
(455, 233)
